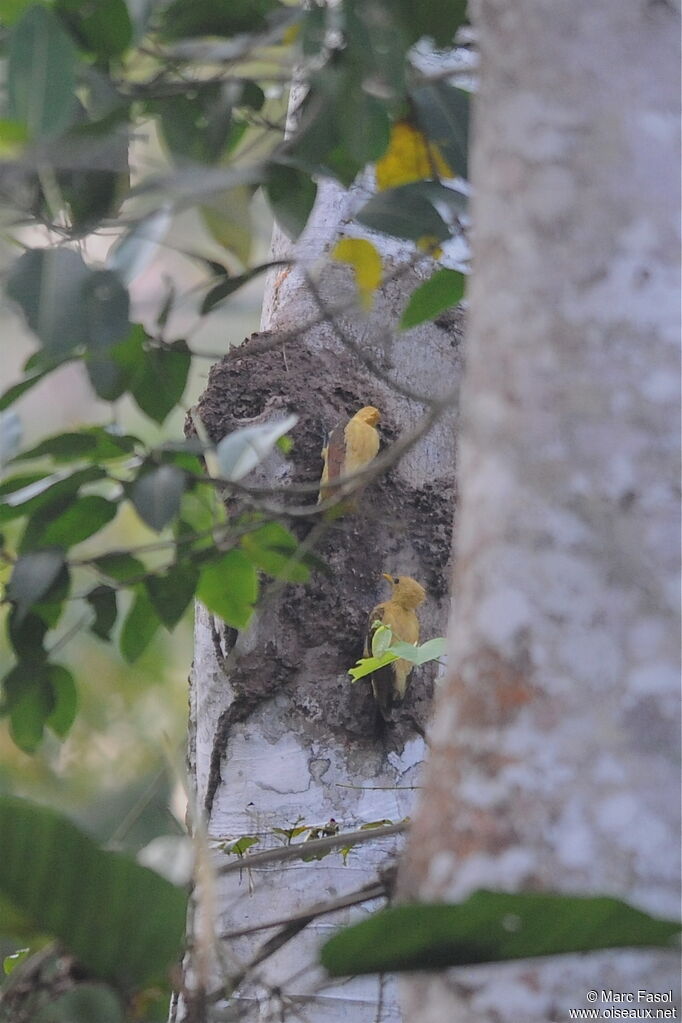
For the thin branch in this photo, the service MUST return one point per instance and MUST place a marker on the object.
(305, 849)
(374, 890)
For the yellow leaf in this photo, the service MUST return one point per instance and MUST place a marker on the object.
(430, 244)
(366, 263)
(410, 157)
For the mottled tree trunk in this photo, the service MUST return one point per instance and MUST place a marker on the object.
(277, 734)
(556, 762)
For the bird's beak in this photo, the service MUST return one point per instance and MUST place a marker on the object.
(388, 577)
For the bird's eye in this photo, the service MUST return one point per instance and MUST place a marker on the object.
(396, 581)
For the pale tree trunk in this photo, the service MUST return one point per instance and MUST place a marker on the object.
(277, 733)
(555, 762)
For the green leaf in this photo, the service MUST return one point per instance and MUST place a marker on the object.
(438, 19)
(229, 588)
(106, 306)
(66, 304)
(429, 651)
(215, 17)
(83, 1004)
(242, 450)
(101, 26)
(443, 112)
(63, 713)
(47, 490)
(197, 126)
(122, 921)
(291, 194)
(20, 482)
(94, 443)
(29, 715)
(26, 634)
(273, 548)
(15, 392)
(113, 370)
(41, 73)
(402, 213)
(156, 495)
(317, 146)
(171, 592)
(443, 290)
(68, 522)
(10, 962)
(102, 600)
(491, 927)
(139, 627)
(227, 285)
(121, 567)
(160, 386)
(367, 665)
(382, 637)
(32, 576)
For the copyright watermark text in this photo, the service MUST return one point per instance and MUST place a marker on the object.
(639, 1004)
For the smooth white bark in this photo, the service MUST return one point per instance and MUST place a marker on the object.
(283, 763)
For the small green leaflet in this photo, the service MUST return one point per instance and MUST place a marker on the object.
(443, 290)
(429, 651)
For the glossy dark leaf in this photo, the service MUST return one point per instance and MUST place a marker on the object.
(48, 285)
(229, 588)
(227, 285)
(403, 213)
(65, 696)
(102, 600)
(101, 26)
(19, 482)
(94, 443)
(196, 126)
(120, 567)
(171, 592)
(26, 633)
(15, 392)
(156, 495)
(491, 927)
(122, 921)
(317, 146)
(161, 384)
(66, 304)
(443, 114)
(139, 627)
(291, 194)
(68, 522)
(32, 576)
(29, 715)
(437, 19)
(49, 490)
(83, 1004)
(443, 290)
(215, 17)
(112, 370)
(41, 73)
(105, 307)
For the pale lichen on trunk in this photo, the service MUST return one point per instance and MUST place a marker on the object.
(556, 757)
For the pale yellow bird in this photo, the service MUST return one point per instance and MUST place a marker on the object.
(350, 447)
(399, 613)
